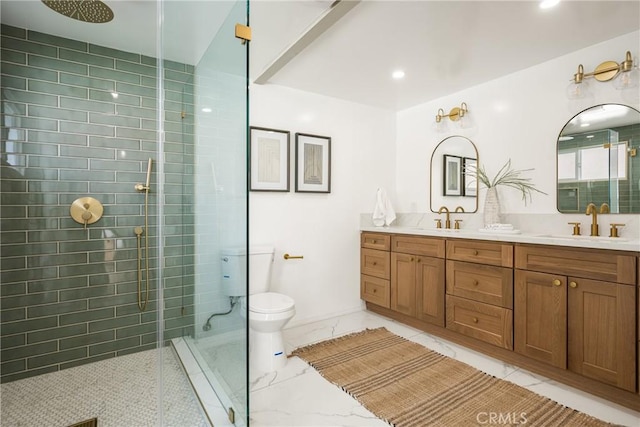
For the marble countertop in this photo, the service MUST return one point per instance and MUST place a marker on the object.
(618, 244)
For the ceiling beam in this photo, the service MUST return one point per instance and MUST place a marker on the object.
(337, 10)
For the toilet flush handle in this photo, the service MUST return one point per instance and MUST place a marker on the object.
(287, 256)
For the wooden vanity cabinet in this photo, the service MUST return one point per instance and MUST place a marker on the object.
(418, 278)
(576, 309)
(375, 268)
(479, 285)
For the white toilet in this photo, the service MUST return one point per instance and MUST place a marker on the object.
(269, 312)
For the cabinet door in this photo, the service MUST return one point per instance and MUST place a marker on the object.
(602, 334)
(403, 283)
(430, 288)
(540, 317)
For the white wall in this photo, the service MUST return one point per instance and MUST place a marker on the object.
(324, 228)
(516, 117)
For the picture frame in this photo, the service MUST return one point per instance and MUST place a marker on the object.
(470, 176)
(452, 175)
(269, 159)
(313, 163)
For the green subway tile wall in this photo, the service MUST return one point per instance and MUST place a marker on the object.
(69, 295)
(599, 191)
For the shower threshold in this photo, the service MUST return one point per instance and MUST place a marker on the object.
(214, 393)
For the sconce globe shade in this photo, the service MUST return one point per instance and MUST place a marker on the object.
(627, 80)
(440, 127)
(577, 90)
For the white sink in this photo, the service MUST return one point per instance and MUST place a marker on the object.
(592, 238)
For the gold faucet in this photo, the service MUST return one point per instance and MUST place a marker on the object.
(459, 209)
(447, 222)
(593, 211)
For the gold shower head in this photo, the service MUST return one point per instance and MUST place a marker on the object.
(93, 11)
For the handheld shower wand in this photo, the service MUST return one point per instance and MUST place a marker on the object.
(145, 187)
(139, 231)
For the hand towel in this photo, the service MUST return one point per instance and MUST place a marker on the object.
(383, 213)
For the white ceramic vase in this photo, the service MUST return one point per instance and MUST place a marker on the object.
(492, 207)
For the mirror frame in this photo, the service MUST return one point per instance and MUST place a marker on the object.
(560, 134)
(433, 153)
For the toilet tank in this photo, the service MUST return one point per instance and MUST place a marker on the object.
(234, 268)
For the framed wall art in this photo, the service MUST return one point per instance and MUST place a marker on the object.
(452, 175)
(313, 163)
(469, 176)
(269, 159)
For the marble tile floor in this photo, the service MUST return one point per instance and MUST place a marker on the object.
(298, 396)
(120, 392)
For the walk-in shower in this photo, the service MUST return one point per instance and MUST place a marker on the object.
(135, 119)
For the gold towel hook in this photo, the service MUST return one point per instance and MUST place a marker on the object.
(287, 256)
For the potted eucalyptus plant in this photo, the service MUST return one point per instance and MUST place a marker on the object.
(508, 177)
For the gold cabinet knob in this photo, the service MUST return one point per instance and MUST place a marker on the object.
(557, 282)
(373, 241)
(475, 320)
(375, 263)
(573, 284)
(375, 290)
(475, 283)
(475, 252)
(418, 260)
(411, 259)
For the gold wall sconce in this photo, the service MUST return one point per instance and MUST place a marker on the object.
(606, 71)
(457, 114)
(454, 115)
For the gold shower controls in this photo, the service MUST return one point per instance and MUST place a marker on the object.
(86, 210)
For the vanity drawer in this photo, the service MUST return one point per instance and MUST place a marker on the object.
(482, 283)
(375, 263)
(588, 263)
(427, 246)
(484, 322)
(375, 290)
(492, 253)
(378, 241)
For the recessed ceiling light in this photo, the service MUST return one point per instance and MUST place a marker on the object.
(548, 4)
(398, 74)
(206, 110)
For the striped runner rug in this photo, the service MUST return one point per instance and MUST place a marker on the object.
(408, 385)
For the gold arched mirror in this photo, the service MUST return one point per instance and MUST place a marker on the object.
(599, 160)
(453, 177)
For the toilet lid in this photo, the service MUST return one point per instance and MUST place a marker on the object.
(270, 302)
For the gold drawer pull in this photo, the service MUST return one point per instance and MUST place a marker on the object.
(557, 282)
(573, 284)
(475, 320)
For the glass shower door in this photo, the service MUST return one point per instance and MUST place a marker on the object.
(210, 123)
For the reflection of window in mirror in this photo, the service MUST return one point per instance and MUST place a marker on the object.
(598, 162)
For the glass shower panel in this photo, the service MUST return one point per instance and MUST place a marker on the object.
(206, 206)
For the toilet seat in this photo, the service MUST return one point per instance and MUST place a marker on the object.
(270, 303)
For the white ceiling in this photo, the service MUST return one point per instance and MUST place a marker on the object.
(443, 46)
